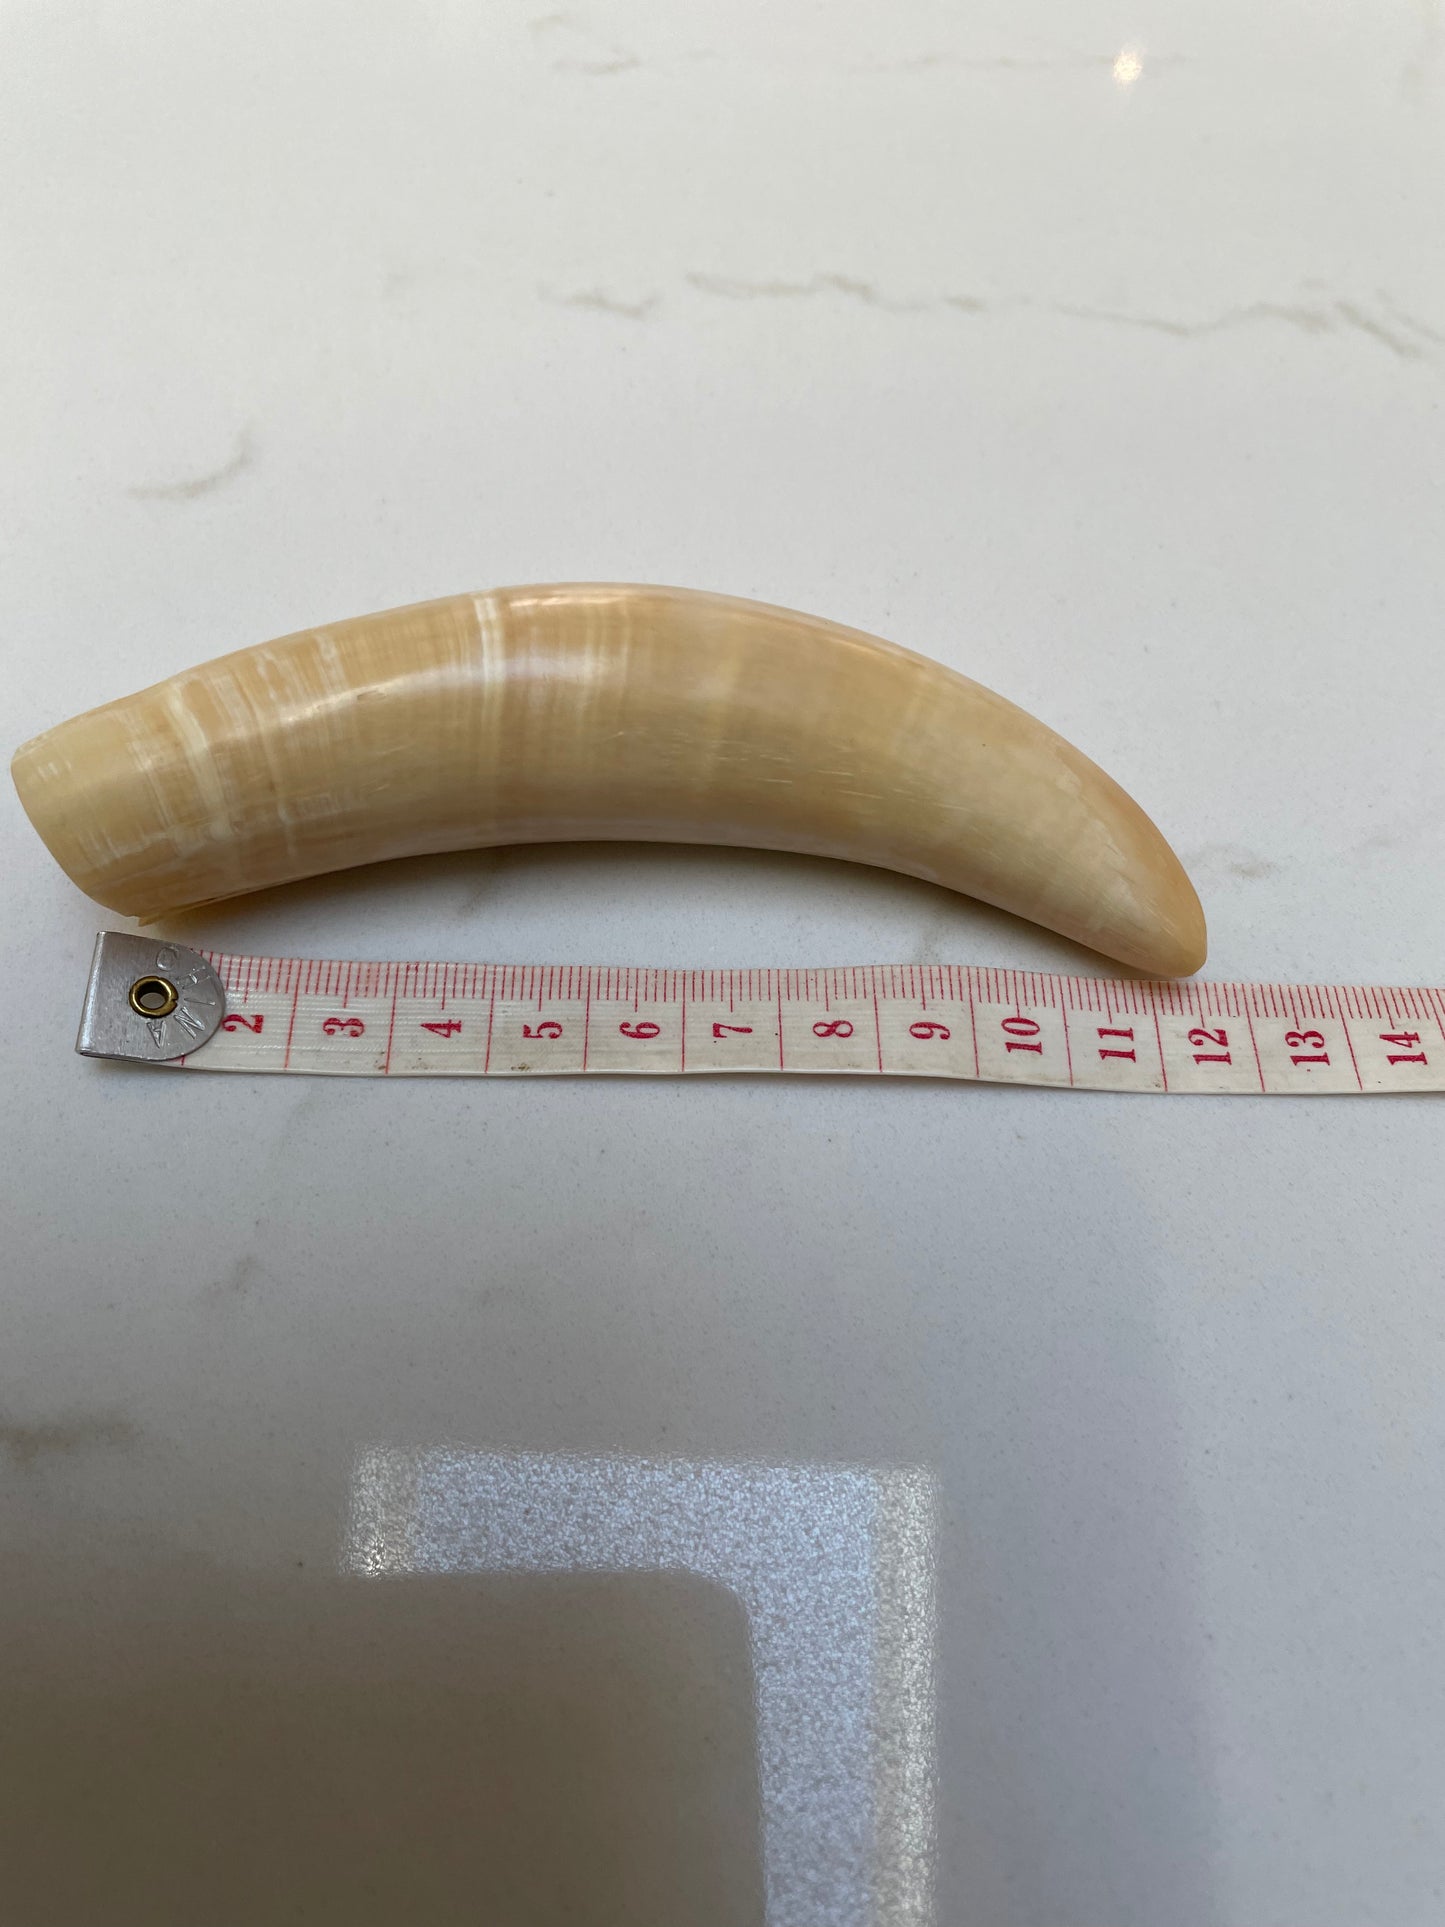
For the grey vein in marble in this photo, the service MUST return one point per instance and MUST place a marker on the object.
(620, 63)
(600, 302)
(1399, 831)
(240, 1276)
(1232, 858)
(731, 288)
(27, 1445)
(1331, 317)
(606, 57)
(1403, 334)
(1412, 322)
(191, 487)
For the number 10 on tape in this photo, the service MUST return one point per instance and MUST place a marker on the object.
(233, 1013)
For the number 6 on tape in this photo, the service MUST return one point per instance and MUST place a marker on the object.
(152, 1002)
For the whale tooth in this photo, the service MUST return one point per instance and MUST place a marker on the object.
(596, 710)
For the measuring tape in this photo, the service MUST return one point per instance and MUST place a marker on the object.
(153, 1002)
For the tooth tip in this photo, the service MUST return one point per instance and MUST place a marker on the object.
(1182, 943)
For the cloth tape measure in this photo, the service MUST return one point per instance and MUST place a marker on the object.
(154, 1002)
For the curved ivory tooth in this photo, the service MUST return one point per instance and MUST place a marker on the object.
(588, 711)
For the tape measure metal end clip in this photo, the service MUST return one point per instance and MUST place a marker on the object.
(148, 1002)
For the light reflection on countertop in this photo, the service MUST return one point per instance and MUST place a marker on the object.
(834, 1567)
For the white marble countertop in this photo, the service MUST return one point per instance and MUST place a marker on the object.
(822, 1502)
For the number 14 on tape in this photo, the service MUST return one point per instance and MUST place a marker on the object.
(1000, 1026)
